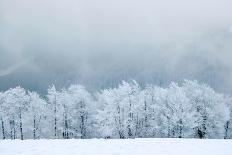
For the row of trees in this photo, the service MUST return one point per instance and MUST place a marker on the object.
(189, 110)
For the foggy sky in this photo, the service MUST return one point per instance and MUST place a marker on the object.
(98, 43)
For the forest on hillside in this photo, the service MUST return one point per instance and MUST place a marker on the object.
(186, 110)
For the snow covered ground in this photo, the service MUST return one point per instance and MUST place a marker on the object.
(117, 147)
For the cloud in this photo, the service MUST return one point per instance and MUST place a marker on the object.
(99, 43)
(11, 69)
(231, 29)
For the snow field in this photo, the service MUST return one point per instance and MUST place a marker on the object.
(117, 147)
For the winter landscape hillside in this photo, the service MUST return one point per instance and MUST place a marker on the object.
(120, 77)
(117, 147)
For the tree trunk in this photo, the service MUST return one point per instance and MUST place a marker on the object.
(34, 128)
(11, 129)
(82, 127)
(83, 116)
(202, 130)
(146, 125)
(21, 125)
(55, 123)
(130, 120)
(180, 128)
(120, 125)
(65, 132)
(3, 129)
(136, 126)
(14, 129)
(226, 129)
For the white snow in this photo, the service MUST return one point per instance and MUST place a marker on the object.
(117, 147)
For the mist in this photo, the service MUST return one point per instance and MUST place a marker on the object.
(99, 43)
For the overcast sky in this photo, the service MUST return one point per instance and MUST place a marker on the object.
(100, 42)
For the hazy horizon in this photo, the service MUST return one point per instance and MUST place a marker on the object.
(99, 43)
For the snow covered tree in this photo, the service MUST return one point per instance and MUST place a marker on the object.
(64, 101)
(52, 100)
(16, 102)
(106, 114)
(188, 110)
(177, 112)
(2, 113)
(228, 124)
(119, 110)
(37, 111)
(82, 109)
(211, 109)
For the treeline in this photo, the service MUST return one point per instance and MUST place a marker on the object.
(189, 110)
